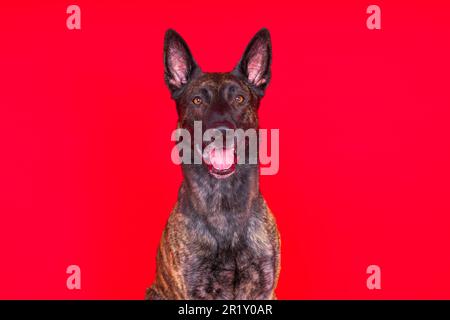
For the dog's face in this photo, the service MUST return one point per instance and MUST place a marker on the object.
(219, 100)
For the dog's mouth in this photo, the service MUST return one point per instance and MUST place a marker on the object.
(220, 160)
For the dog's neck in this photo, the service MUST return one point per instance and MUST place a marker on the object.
(232, 195)
(225, 205)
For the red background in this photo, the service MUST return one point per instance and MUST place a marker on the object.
(85, 123)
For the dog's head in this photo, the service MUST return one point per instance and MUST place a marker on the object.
(220, 101)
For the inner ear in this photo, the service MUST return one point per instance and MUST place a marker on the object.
(179, 65)
(255, 62)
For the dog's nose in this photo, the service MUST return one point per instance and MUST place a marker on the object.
(223, 130)
(226, 130)
(222, 125)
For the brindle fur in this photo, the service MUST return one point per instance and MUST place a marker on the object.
(221, 240)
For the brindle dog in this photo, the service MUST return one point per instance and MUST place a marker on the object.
(221, 240)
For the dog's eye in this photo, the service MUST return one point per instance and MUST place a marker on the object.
(197, 100)
(239, 99)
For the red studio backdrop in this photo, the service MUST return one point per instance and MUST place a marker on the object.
(364, 117)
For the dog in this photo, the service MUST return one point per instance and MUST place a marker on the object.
(221, 240)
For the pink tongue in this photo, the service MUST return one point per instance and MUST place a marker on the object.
(222, 159)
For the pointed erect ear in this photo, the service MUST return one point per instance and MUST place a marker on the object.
(179, 66)
(255, 63)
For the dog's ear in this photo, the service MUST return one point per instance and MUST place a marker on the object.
(254, 65)
(179, 65)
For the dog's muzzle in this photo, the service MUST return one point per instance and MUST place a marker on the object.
(219, 156)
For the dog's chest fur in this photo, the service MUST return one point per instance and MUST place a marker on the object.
(231, 255)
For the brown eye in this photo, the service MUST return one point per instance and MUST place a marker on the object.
(239, 99)
(197, 100)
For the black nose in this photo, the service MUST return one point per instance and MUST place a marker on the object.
(222, 125)
(226, 130)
